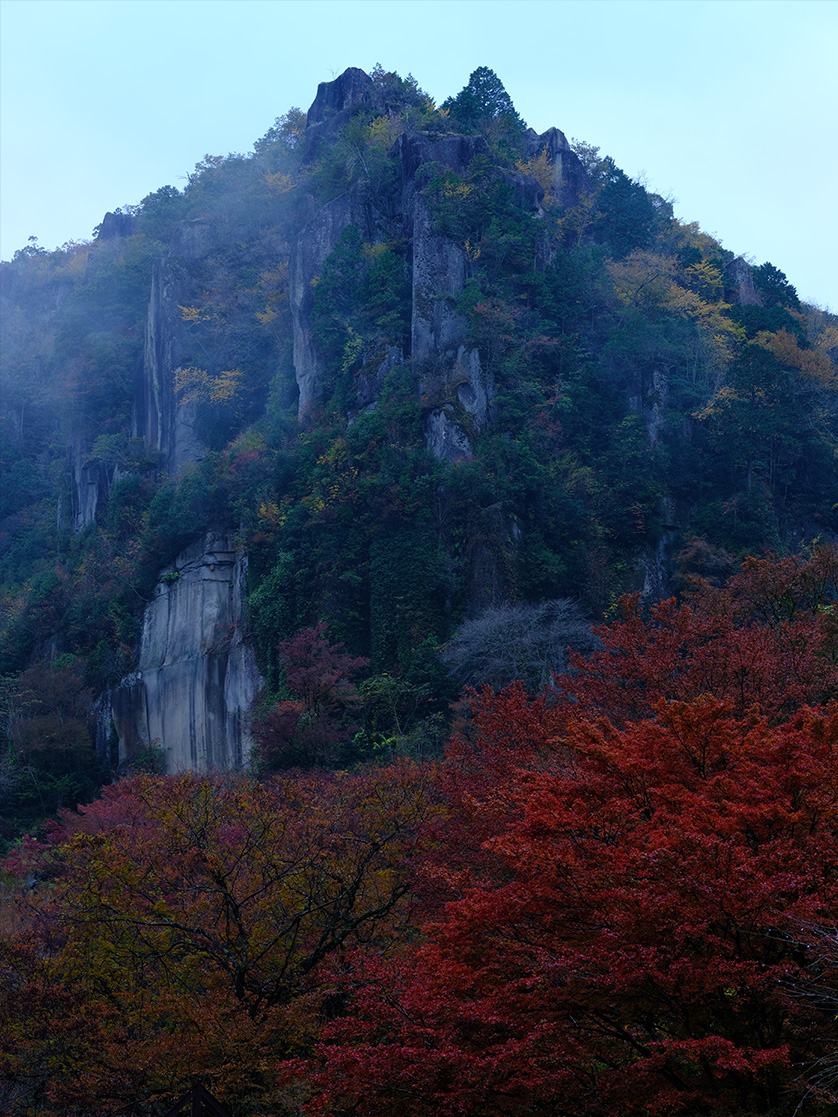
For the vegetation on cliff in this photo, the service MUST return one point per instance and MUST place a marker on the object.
(455, 390)
(616, 896)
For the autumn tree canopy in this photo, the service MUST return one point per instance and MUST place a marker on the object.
(622, 917)
(198, 924)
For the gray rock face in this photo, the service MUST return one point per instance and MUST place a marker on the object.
(91, 485)
(368, 387)
(452, 151)
(439, 275)
(448, 369)
(349, 91)
(165, 425)
(446, 439)
(196, 677)
(570, 179)
(334, 105)
(653, 563)
(193, 239)
(445, 370)
(475, 392)
(742, 279)
(116, 225)
(316, 242)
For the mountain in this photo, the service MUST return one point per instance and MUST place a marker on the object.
(413, 373)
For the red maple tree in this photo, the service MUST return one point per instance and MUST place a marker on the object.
(634, 865)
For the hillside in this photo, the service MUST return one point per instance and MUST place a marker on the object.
(414, 373)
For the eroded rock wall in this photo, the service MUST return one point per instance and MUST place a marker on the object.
(316, 242)
(196, 679)
(166, 426)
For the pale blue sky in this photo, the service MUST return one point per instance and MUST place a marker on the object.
(729, 106)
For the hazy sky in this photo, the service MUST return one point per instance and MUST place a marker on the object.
(728, 106)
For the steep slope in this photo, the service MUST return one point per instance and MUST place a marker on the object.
(411, 364)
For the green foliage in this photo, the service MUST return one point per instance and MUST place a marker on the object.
(756, 319)
(159, 212)
(284, 135)
(361, 308)
(774, 287)
(626, 216)
(483, 105)
(406, 594)
(632, 409)
(272, 614)
(181, 512)
(47, 760)
(23, 484)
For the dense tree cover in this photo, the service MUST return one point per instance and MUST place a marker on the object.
(198, 924)
(624, 914)
(485, 106)
(642, 415)
(611, 897)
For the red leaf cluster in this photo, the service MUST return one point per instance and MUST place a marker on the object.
(618, 897)
(632, 864)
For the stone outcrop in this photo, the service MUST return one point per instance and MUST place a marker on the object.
(92, 482)
(193, 239)
(316, 242)
(570, 179)
(333, 107)
(115, 225)
(446, 372)
(446, 438)
(742, 280)
(196, 677)
(439, 275)
(166, 426)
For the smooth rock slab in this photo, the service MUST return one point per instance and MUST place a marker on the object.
(194, 687)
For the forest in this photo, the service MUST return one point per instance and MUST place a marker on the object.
(418, 645)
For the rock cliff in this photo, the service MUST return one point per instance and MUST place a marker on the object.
(313, 246)
(166, 426)
(196, 677)
(447, 371)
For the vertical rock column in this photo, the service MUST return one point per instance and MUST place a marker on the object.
(197, 678)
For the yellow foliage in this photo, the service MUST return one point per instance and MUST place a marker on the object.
(648, 280)
(384, 131)
(352, 350)
(722, 399)
(813, 364)
(643, 278)
(707, 278)
(472, 250)
(828, 339)
(457, 190)
(540, 168)
(269, 512)
(197, 385)
(267, 316)
(278, 277)
(278, 183)
(194, 314)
